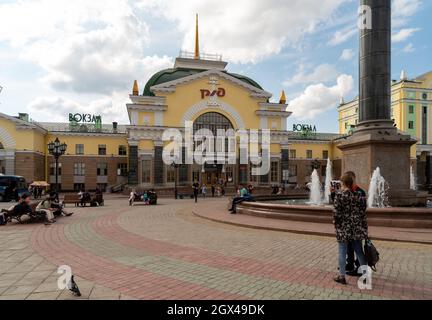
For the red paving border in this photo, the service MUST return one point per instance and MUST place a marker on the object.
(108, 227)
(52, 244)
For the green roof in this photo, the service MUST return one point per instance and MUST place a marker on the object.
(168, 75)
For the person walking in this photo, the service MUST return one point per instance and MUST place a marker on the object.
(204, 190)
(349, 218)
(213, 190)
(196, 188)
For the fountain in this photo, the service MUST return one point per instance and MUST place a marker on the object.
(413, 180)
(378, 191)
(328, 180)
(316, 193)
(375, 144)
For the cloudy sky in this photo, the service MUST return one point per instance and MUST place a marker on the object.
(58, 56)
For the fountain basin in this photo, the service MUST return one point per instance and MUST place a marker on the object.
(381, 217)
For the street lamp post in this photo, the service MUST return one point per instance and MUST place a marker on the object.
(175, 166)
(57, 149)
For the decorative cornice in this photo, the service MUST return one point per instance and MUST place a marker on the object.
(88, 134)
(280, 106)
(268, 113)
(171, 85)
(148, 100)
(146, 107)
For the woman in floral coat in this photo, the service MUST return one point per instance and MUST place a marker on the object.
(350, 223)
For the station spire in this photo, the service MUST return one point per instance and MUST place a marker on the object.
(135, 90)
(283, 99)
(197, 49)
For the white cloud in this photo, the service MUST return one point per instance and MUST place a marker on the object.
(409, 48)
(319, 98)
(347, 55)
(93, 46)
(245, 31)
(403, 34)
(343, 35)
(323, 73)
(402, 10)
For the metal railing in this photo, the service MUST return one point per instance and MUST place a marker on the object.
(202, 56)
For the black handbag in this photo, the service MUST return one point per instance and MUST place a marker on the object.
(372, 255)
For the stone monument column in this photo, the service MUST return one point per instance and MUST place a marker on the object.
(375, 64)
(376, 142)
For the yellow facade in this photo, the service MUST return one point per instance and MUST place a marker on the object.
(91, 143)
(411, 110)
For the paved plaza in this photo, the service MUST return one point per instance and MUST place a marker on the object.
(167, 252)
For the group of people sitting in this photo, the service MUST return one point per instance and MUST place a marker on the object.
(277, 190)
(86, 197)
(149, 197)
(48, 209)
(244, 194)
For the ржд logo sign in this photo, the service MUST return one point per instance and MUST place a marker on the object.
(207, 93)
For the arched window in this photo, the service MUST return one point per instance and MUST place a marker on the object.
(212, 121)
(1, 146)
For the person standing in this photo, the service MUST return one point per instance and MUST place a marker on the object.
(349, 218)
(196, 188)
(213, 190)
(204, 190)
(352, 263)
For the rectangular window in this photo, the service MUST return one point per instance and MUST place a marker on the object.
(79, 149)
(122, 151)
(424, 125)
(146, 171)
(102, 150)
(79, 169)
(293, 154)
(102, 169)
(122, 169)
(196, 176)
(411, 109)
(252, 178)
(102, 186)
(325, 154)
(170, 174)
(52, 169)
(293, 170)
(411, 125)
(79, 187)
(309, 154)
(229, 173)
(274, 171)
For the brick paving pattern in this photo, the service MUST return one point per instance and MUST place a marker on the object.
(166, 252)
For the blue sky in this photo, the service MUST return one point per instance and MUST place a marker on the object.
(59, 56)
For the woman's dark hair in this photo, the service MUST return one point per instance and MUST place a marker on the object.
(347, 180)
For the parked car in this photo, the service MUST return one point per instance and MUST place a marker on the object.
(12, 187)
